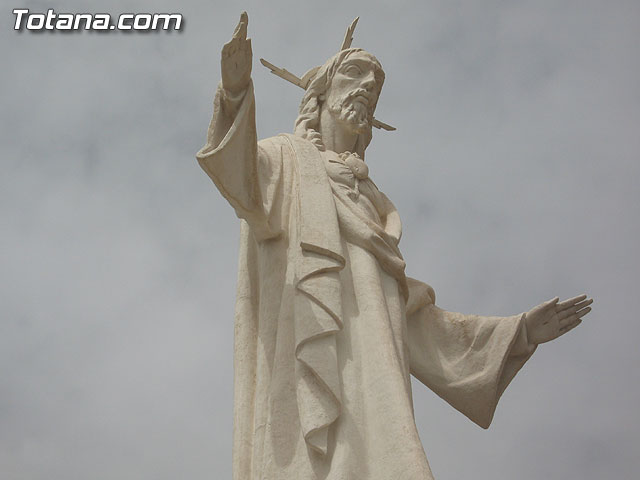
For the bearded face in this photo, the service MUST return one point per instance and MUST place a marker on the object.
(353, 109)
(353, 92)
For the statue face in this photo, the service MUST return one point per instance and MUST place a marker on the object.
(354, 90)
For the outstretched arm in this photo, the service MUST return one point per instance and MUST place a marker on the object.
(469, 360)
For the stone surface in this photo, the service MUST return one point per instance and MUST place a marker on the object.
(328, 327)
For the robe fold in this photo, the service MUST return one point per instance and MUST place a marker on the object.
(328, 328)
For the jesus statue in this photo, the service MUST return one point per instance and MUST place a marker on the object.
(328, 329)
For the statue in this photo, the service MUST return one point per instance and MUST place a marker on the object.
(328, 328)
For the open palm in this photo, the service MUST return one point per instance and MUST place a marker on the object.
(236, 58)
(551, 319)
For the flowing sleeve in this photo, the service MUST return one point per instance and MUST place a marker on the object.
(467, 360)
(247, 173)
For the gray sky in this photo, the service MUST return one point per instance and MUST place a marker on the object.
(514, 167)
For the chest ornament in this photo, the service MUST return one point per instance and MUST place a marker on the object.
(359, 169)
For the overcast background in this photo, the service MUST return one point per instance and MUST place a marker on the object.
(515, 168)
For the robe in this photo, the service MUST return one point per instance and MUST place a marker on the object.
(328, 329)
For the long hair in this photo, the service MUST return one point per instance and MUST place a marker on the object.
(308, 122)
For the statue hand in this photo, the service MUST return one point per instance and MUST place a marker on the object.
(236, 58)
(551, 319)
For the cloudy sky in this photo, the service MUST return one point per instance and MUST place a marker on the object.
(515, 168)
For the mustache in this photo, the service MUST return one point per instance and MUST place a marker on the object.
(349, 101)
(359, 92)
(352, 111)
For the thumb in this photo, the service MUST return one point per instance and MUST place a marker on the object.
(552, 302)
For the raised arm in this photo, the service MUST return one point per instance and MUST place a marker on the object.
(243, 172)
(235, 67)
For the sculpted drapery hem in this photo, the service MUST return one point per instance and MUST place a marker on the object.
(291, 284)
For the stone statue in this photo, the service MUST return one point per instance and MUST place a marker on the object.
(327, 326)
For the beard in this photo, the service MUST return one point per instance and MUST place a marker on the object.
(352, 113)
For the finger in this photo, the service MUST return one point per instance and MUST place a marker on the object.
(573, 309)
(576, 316)
(581, 313)
(573, 317)
(550, 303)
(571, 326)
(571, 301)
(583, 304)
(241, 30)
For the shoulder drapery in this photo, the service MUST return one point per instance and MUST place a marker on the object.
(250, 176)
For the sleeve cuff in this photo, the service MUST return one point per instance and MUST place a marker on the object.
(521, 345)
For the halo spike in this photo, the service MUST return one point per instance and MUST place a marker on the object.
(348, 36)
(283, 73)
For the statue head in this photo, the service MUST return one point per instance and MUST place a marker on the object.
(349, 85)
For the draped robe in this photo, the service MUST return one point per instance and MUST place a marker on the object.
(328, 328)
